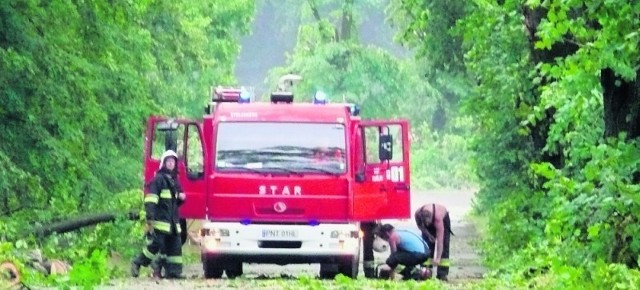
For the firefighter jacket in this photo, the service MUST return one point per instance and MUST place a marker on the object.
(161, 202)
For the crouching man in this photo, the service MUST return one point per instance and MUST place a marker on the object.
(408, 252)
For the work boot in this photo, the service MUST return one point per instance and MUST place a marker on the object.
(156, 267)
(421, 273)
(156, 274)
(135, 269)
(369, 269)
(369, 272)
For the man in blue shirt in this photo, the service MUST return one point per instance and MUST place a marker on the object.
(408, 250)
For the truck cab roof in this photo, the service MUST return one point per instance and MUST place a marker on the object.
(294, 112)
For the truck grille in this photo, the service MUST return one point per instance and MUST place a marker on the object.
(280, 244)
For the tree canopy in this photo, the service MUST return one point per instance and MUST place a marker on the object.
(79, 79)
(536, 102)
(555, 104)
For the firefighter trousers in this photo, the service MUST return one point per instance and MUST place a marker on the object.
(165, 243)
(443, 267)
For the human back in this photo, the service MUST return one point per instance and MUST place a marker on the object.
(411, 242)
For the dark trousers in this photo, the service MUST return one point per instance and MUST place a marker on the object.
(443, 267)
(161, 258)
(367, 248)
(170, 245)
(407, 259)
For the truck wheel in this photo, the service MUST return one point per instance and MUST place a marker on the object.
(350, 266)
(328, 271)
(233, 270)
(212, 269)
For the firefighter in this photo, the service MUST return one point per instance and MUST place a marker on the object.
(408, 253)
(162, 201)
(435, 225)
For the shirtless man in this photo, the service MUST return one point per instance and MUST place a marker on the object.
(434, 223)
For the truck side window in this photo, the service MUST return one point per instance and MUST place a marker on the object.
(159, 143)
(398, 147)
(371, 145)
(193, 157)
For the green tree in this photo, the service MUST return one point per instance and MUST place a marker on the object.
(331, 58)
(79, 79)
(555, 101)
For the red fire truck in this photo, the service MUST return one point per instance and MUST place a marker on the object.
(284, 182)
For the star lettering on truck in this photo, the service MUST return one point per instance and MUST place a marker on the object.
(275, 190)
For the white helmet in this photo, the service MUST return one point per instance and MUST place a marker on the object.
(168, 153)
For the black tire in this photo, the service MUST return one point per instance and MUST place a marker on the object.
(233, 270)
(328, 271)
(212, 269)
(350, 267)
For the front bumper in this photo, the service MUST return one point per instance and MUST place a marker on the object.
(280, 244)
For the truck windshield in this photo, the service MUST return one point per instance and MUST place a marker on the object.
(281, 147)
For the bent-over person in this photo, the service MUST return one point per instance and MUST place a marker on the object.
(434, 223)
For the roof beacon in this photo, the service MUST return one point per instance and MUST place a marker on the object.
(226, 95)
(245, 96)
(320, 98)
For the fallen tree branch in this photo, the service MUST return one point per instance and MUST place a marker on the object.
(77, 223)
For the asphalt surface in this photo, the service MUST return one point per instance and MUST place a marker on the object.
(465, 262)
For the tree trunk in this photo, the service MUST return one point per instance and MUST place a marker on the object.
(347, 21)
(539, 132)
(80, 222)
(621, 105)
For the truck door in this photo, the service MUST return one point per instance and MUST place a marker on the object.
(185, 138)
(381, 187)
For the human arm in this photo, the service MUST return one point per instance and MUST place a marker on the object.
(174, 185)
(439, 225)
(393, 243)
(151, 199)
(422, 223)
(181, 195)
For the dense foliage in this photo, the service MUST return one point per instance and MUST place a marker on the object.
(545, 93)
(78, 80)
(555, 105)
(331, 57)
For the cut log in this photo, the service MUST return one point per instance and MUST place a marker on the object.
(77, 223)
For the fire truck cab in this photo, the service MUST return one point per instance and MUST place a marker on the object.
(282, 181)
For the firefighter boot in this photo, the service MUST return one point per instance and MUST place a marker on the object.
(156, 266)
(173, 271)
(139, 261)
(135, 269)
(369, 269)
(420, 273)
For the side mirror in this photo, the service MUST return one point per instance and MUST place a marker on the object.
(385, 147)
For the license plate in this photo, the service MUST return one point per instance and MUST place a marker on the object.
(280, 234)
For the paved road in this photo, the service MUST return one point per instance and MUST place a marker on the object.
(465, 261)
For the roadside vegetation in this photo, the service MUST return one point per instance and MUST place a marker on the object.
(553, 95)
(533, 102)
